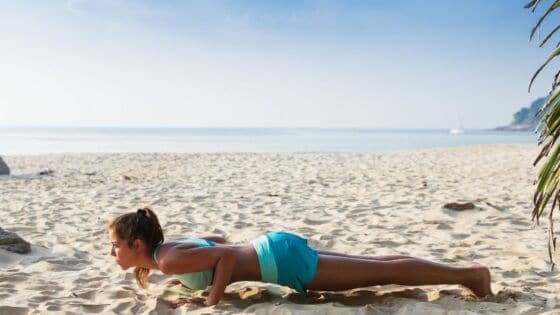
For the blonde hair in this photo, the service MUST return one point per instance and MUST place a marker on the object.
(142, 224)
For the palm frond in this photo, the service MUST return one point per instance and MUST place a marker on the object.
(548, 60)
(548, 177)
(552, 97)
(552, 7)
(551, 104)
(549, 35)
(532, 4)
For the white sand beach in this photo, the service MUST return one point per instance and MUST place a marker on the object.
(366, 204)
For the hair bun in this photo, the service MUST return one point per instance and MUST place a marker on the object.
(142, 211)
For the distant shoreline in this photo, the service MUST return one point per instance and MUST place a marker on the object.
(515, 127)
(37, 141)
(64, 128)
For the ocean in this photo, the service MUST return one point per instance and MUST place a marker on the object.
(41, 140)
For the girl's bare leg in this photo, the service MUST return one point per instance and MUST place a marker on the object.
(336, 273)
(389, 257)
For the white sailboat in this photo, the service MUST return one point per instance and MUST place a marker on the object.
(457, 131)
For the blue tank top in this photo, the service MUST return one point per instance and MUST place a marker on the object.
(193, 280)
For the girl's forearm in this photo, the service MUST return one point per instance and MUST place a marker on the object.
(222, 276)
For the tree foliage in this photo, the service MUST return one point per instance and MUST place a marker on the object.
(548, 177)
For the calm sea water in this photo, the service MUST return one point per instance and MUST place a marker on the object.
(39, 140)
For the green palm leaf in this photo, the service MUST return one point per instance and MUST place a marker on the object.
(548, 60)
(549, 35)
(552, 7)
(532, 4)
(548, 176)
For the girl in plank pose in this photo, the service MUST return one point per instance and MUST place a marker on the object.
(277, 257)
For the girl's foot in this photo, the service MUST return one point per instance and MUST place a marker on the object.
(480, 281)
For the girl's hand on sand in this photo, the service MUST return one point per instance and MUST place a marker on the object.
(209, 302)
(200, 301)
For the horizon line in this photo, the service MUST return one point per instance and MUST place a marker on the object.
(231, 127)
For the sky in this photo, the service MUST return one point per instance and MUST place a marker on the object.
(327, 64)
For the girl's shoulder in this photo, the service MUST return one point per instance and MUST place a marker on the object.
(172, 246)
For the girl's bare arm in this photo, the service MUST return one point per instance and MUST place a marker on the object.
(180, 260)
(222, 276)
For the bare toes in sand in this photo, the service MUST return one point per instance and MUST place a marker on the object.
(480, 282)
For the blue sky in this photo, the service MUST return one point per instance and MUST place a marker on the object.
(358, 64)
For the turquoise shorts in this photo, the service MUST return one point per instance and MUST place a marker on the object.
(286, 259)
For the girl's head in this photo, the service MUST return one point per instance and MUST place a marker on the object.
(133, 235)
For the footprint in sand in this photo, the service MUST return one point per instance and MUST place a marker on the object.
(520, 222)
(460, 236)
(315, 222)
(444, 226)
(14, 310)
(199, 198)
(511, 274)
(17, 277)
(242, 224)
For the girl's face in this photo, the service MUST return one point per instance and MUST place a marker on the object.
(125, 256)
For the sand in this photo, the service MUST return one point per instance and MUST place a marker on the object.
(366, 204)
